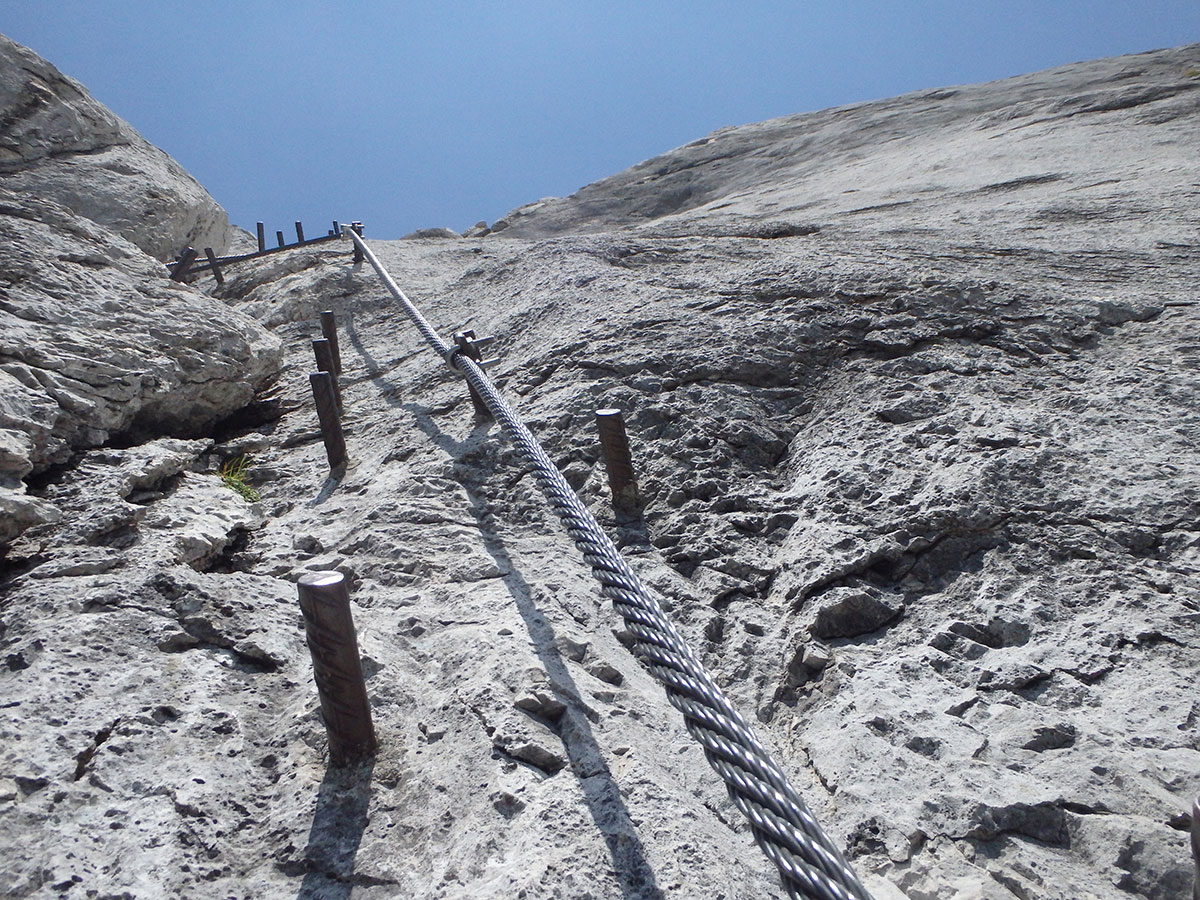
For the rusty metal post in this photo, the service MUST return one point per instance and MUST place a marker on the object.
(470, 347)
(324, 354)
(279, 237)
(618, 463)
(186, 258)
(358, 229)
(262, 238)
(331, 423)
(212, 262)
(329, 331)
(337, 666)
(299, 233)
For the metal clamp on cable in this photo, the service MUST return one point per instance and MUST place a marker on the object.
(469, 346)
(450, 356)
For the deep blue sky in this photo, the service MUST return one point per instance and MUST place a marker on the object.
(411, 115)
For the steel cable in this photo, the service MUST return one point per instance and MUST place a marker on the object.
(809, 863)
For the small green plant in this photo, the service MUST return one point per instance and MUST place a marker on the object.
(234, 473)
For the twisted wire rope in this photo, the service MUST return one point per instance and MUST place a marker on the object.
(809, 864)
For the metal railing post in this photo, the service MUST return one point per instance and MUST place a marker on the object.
(186, 258)
(212, 262)
(618, 462)
(327, 415)
(324, 355)
(1196, 847)
(469, 345)
(337, 666)
(329, 332)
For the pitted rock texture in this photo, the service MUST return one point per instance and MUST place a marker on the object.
(57, 143)
(926, 503)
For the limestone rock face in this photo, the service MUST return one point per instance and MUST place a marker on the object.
(924, 496)
(886, 164)
(59, 144)
(96, 342)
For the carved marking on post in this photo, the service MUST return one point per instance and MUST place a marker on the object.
(337, 666)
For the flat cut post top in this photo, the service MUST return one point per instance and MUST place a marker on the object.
(321, 579)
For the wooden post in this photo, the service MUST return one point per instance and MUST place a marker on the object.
(262, 238)
(212, 261)
(327, 414)
(279, 237)
(337, 666)
(329, 331)
(358, 229)
(299, 233)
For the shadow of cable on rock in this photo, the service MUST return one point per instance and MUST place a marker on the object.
(586, 758)
(337, 830)
(375, 371)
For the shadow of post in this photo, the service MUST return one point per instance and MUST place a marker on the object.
(587, 759)
(337, 831)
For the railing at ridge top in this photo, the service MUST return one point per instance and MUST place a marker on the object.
(186, 263)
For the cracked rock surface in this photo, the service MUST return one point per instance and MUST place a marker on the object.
(923, 495)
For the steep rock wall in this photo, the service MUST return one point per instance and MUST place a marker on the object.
(925, 500)
(58, 143)
(96, 343)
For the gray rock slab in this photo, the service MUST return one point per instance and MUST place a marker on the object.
(95, 342)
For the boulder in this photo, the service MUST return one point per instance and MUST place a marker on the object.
(96, 342)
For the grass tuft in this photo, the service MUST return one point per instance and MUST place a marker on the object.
(234, 472)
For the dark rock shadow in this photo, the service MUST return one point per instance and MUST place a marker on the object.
(587, 759)
(337, 831)
(374, 370)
